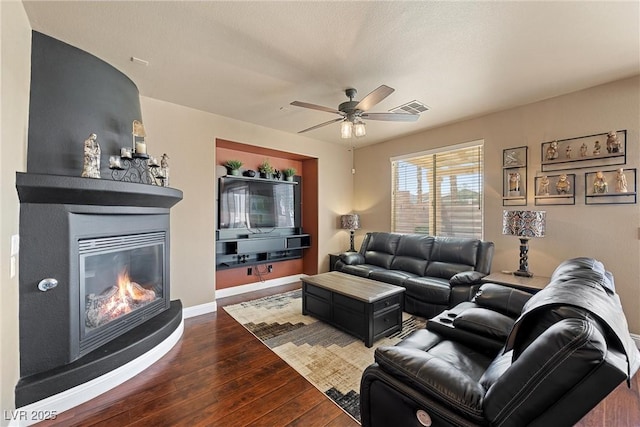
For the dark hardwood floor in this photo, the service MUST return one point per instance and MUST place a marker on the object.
(221, 375)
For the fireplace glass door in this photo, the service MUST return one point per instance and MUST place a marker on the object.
(122, 283)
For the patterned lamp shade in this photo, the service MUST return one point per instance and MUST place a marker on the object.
(524, 223)
(350, 222)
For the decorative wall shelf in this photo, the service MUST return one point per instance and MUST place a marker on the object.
(514, 176)
(589, 151)
(606, 188)
(555, 189)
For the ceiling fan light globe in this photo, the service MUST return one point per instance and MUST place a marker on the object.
(359, 130)
(345, 129)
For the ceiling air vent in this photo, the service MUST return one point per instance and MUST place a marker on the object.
(413, 107)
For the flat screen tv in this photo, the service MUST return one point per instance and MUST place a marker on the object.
(257, 205)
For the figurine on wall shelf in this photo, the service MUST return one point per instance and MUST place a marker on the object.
(600, 185)
(543, 186)
(621, 181)
(552, 151)
(567, 152)
(514, 183)
(613, 143)
(596, 148)
(583, 150)
(563, 186)
(91, 168)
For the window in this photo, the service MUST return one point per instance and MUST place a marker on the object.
(439, 192)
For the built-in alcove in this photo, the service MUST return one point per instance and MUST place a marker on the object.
(301, 238)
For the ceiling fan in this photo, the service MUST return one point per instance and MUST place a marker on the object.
(353, 112)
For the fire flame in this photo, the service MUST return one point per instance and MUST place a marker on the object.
(123, 298)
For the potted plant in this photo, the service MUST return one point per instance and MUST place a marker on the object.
(265, 169)
(289, 173)
(233, 166)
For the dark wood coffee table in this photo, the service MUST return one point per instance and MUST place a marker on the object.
(366, 309)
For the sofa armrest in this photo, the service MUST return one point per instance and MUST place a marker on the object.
(351, 258)
(557, 362)
(466, 278)
(433, 377)
(502, 298)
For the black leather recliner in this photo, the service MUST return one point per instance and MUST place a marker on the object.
(567, 349)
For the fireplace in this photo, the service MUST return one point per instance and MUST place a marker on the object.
(94, 278)
(122, 284)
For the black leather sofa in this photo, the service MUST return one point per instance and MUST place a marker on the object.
(436, 272)
(564, 351)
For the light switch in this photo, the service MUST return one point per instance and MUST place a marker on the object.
(15, 245)
(13, 267)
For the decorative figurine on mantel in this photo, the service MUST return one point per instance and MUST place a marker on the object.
(567, 152)
(552, 151)
(563, 186)
(91, 168)
(164, 165)
(543, 186)
(621, 181)
(600, 185)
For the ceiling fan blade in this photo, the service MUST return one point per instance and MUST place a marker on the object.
(322, 124)
(315, 107)
(374, 97)
(391, 117)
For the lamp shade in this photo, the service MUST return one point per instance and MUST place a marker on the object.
(524, 223)
(350, 222)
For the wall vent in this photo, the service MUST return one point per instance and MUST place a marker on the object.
(413, 107)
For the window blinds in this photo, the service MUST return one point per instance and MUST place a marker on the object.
(439, 193)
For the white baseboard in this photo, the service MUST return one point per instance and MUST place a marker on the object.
(250, 287)
(58, 403)
(636, 339)
(197, 310)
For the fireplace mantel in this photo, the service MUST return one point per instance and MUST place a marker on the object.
(60, 189)
(57, 213)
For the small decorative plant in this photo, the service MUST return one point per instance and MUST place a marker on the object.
(289, 173)
(233, 166)
(265, 169)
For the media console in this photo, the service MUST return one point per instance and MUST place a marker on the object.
(241, 252)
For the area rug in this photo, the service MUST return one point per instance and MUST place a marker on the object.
(332, 360)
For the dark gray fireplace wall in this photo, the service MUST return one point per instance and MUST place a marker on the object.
(74, 94)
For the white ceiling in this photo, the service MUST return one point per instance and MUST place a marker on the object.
(250, 60)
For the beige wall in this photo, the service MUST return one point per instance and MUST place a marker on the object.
(609, 233)
(188, 137)
(14, 112)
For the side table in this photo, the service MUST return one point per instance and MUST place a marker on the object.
(529, 284)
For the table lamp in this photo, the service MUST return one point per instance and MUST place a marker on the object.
(524, 225)
(351, 222)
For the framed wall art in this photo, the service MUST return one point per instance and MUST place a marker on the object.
(606, 187)
(598, 150)
(514, 176)
(555, 189)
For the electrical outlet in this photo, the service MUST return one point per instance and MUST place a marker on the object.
(249, 271)
(270, 268)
